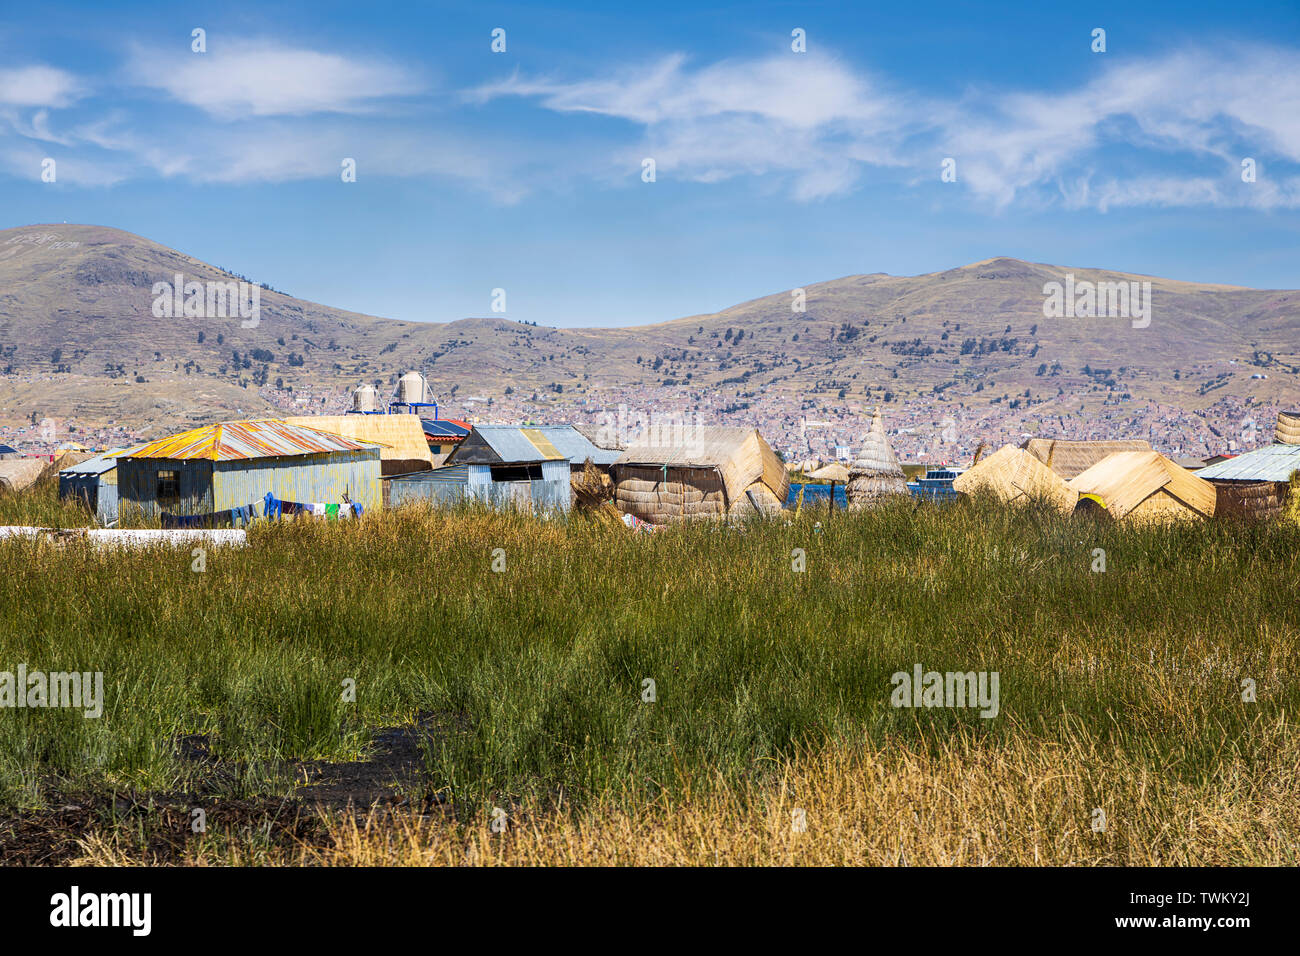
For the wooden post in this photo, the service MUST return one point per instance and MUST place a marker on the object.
(831, 506)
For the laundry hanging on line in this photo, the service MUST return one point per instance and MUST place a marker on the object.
(234, 517)
(274, 507)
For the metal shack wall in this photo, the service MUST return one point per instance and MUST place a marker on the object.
(137, 484)
(324, 478)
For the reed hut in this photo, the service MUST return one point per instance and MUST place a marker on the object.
(1256, 484)
(1014, 476)
(713, 472)
(1288, 428)
(19, 473)
(1069, 459)
(1144, 486)
(875, 474)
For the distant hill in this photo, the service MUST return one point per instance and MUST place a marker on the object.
(76, 330)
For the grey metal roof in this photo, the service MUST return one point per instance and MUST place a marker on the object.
(577, 447)
(1270, 463)
(93, 466)
(451, 473)
(512, 445)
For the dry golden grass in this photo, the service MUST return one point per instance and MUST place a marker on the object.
(966, 803)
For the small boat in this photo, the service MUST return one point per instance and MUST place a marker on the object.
(936, 484)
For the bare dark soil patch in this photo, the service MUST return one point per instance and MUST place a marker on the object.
(159, 825)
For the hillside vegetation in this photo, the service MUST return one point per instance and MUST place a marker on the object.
(78, 337)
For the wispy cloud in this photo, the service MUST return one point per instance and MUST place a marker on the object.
(38, 86)
(254, 77)
(1166, 131)
(823, 126)
(811, 119)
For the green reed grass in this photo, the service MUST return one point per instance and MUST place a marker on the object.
(534, 675)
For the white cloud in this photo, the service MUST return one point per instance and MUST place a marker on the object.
(38, 86)
(1167, 131)
(241, 78)
(809, 118)
(822, 126)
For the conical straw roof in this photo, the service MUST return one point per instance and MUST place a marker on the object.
(876, 458)
(876, 474)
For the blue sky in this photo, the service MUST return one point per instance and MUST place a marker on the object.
(522, 170)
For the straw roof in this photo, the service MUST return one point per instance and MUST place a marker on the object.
(1013, 475)
(1146, 484)
(875, 473)
(602, 436)
(876, 457)
(1069, 459)
(739, 455)
(67, 457)
(1288, 428)
(19, 473)
(835, 472)
(401, 437)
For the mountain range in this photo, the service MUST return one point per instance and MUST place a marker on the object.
(79, 338)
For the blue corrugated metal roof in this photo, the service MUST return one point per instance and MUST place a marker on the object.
(1270, 463)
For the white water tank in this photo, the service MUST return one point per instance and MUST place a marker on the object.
(412, 389)
(365, 398)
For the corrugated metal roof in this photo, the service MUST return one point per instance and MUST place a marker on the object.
(452, 473)
(1270, 463)
(236, 441)
(515, 443)
(94, 466)
(510, 444)
(577, 447)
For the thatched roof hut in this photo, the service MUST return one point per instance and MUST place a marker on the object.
(1252, 500)
(1144, 486)
(602, 436)
(19, 473)
(1069, 459)
(875, 474)
(835, 472)
(1288, 428)
(718, 471)
(1014, 476)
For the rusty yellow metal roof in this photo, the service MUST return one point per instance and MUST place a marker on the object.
(235, 441)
